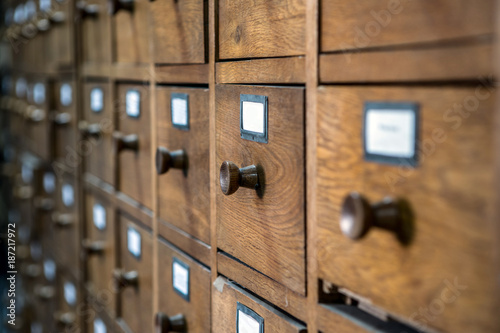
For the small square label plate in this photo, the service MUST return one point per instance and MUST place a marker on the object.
(39, 93)
(66, 94)
(134, 242)
(96, 100)
(99, 215)
(248, 321)
(70, 293)
(133, 103)
(253, 118)
(180, 278)
(68, 195)
(391, 133)
(179, 105)
(99, 326)
(49, 269)
(49, 182)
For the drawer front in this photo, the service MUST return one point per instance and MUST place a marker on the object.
(96, 39)
(65, 122)
(447, 199)
(250, 222)
(37, 118)
(135, 163)
(70, 303)
(136, 253)
(130, 29)
(184, 190)
(99, 246)
(248, 30)
(179, 31)
(97, 130)
(185, 286)
(45, 209)
(237, 311)
(369, 23)
(64, 35)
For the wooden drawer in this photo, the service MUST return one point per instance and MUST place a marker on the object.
(348, 27)
(179, 31)
(45, 205)
(185, 286)
(132, 143)
(439, 253)
(235, 310)
(97, 129)
(99, 246)
(251, 221)
(256, 29)
(133, 278)
(184, 187)
(96, 34)
(64, 32)
(64, 120)
(70, 303)
(37, 118)
(45, 295)
(130, 24)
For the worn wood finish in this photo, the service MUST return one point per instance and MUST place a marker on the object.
(184, 194)
(197, 309)
(134, 303)
(100, 159)
(275, 71)
(250, 227)
(130, 30)
(457, 62)
(179, 31)
(449, 193)
(255, 30)
(225, 298)
(193, 74)
(95, 34)
(134, 167)
(347, 26)
(272, 291)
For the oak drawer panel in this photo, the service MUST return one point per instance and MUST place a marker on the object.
(446, 244)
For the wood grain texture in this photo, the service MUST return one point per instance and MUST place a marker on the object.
(367, 23)
(135, 305)
(134, 72)
(179, 31)
(266, 233)
(100, 160)
(255, 29)
(449, 192)
(197, 309)
(224, 311)
(184, 195)
(454, 63)
(96, 35)
(182, 74)
(134, 169)
(134, 209)
(274, 292)
(275, 71)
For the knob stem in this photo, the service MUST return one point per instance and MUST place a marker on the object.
(165, 160)
(63, 220)
(124, 279)
(232, 177)
(93, 247)
(166, 324)
(126, 142)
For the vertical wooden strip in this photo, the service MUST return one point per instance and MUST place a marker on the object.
(311, 115)
(495, 218)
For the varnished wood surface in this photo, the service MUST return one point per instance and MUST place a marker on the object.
(352, 26)
(179, 31)
(290, 70)
(192, 74)
(267, 232)
(255, 30)
(184, 194)
(96, 35)
(197, 309)
(449, 193)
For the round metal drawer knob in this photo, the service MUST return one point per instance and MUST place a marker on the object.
(123, 279)
(358, 216)
(126, 142)
(87, 10)
(166, 159)
(89, 130)
(92, 247)
(166, 324)
(231, 177)
(115, 5)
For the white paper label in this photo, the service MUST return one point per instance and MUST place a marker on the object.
(21, 85)
(49, 182)
(44, 5)
(70, 293)
(180, 278)
(99, 214)
(68, 195)
(30, 9)
(96, 99)
(26, 173)
(247, 324)
(133, 103)
(66, 94)
(39, 93)
(390, 132)
(19, 16)
(134, 242)
(253, 117)
(99, 326)
(49, 269)
(179, 111)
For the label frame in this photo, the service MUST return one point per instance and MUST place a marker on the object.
(249, 135)
(91, 104)
(185, 97)
(136, 256)
(249, 312)
(187, 268)
(133, 90)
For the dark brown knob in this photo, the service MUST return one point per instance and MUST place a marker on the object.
(45, 293)
(89, 130)
(44, 204)
(62, 119)
(87, 10)
(29, 30)
(43, 24)
(231, 177)
(63, 220)
(93, 247)
(123, 142)
(166, 324)
(65, 319)
(34, 114)
(57, 17)
(122, 279)
(166, 159)
(115, 5)
(358, 216)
